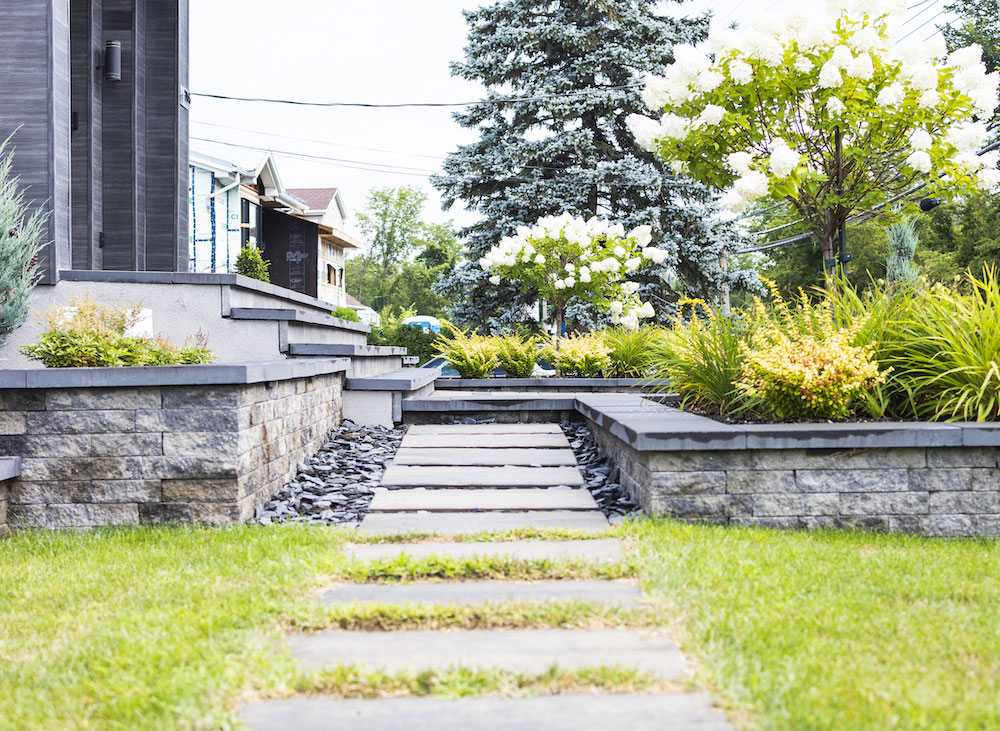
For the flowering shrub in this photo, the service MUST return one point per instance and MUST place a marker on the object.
(562, 257)
(822, 109)
(585, 356)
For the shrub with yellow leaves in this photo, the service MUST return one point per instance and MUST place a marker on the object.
(800, 364)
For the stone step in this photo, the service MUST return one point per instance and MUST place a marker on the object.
(484, 457)
(595, 550)
(485, 428)
(473, 477)
(617, 593)
(466, 523)
(644, 712)
(490, 441)
(516, 650)
(450, 501)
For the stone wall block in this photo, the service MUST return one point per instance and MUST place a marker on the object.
(933, 480)
(186, 420)
(201, 397)
(131, 445)
(831, 459)
(210, 513)
(729, 460)
(689, 483)
(75, 515)
(185, 467)
(755, 521)
(986, 479)
(47, 445)
(855, 522)
(883, 480)
(22, 400)
(964, 502)
(692, 506)
(962, 457)
(13, 422)
(102, 399)
(884, 503)
(81, 422)
(795, 505)
(81, 468)
(184, 491)
(950, 526)
(27, 492)
(760, 481)
(201, 444)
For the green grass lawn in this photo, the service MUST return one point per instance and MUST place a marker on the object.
(175, 627)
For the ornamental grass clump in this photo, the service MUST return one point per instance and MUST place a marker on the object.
(702, 355)
(802, 365)
(517, 355)
(472, 355)
(629, 352)
(584, 356)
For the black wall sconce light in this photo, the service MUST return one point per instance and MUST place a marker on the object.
(112, 62)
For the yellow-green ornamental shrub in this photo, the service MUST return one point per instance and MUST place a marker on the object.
(803, 365)
(517, 355)
(472, 355)
(584, 356)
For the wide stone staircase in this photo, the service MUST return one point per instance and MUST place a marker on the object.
(453, 480)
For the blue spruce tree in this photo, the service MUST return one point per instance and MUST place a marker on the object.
(573, 152)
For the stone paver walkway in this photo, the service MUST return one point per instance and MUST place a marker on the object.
(462, 479)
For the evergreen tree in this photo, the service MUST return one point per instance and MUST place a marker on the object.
(899, 266)
(20, 240)
(573, 153)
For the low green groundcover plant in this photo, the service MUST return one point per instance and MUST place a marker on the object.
(346, 313)
(87, 334)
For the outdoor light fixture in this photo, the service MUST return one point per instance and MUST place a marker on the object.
(929, 204)
(112, 61)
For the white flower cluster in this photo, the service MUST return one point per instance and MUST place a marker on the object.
(846, 44)
(604, 249)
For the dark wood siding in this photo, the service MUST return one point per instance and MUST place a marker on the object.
(292, 246)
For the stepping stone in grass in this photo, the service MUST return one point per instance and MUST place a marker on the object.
(449, 476)
(596, 550)
(617, 593)
(446, 500)
(516, 650)
(644, 712)
(465, 523)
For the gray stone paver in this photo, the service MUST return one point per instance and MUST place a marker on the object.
(595, 550)
(617, 593)
(484, 457)
(643, 712)
(491, 441)
(474, 477)
(515, 650)
(449, 500)
(484, 429)
(466, 523)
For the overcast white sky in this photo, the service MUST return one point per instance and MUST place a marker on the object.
(383, 51)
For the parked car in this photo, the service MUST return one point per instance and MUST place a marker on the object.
(542, 368)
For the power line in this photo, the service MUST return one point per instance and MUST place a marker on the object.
(918, 14)
(925, 23)
(399, 105)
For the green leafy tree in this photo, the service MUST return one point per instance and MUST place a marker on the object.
(823, 111)
(978, 22)
(21, 231)
(391, 223)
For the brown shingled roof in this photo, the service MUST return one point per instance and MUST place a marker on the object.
(318, 199)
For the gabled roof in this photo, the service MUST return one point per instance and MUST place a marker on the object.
(318, 199)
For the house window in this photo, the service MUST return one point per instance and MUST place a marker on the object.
(331, 275)
(249, 222)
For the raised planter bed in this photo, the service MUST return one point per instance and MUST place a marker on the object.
(928, 478)
(193, 443)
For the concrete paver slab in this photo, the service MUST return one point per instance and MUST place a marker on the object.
(596, 550)
(617, 593)
(485, 429)
(449, 500)
(515, 650)
(646, 712)
(491, 441)
(465, 523)
(484, 457)
(469, 476)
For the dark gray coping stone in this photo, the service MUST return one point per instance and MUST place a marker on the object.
(345, 350)
(288, 315)
(405, 379)
(552, 382)
(232, 280)
(648, 426)
(10, 467)
(175, 375)
(636, 712)
(492, 402)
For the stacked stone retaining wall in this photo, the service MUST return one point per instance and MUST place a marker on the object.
(159, 453)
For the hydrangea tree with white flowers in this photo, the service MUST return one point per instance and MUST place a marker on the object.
(822, 109)
(562, 257)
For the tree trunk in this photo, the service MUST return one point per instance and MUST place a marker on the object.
(828, 243)
(558, 325)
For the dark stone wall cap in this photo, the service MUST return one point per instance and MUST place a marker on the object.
(550, 382)
(290, 315)
(174, 375)
(852, 435)
(979, 434)
(346, 350)
(405, 379)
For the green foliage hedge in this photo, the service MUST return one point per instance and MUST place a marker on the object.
(251, 264)
(346, 313)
